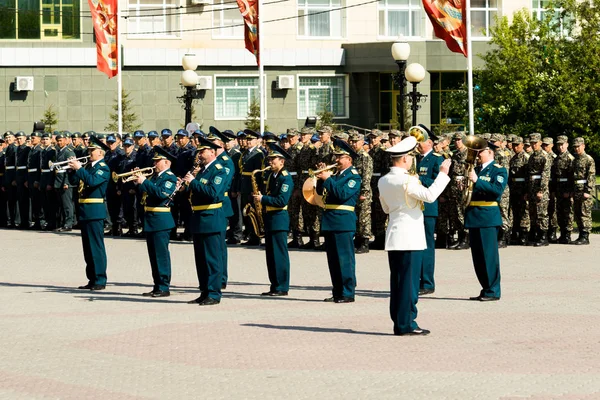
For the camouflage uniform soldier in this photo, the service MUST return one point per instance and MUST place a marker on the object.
(294, 209)
(305, 160)
(444, 231)
(364, 165)
(381, 166)
(584, 182)
(539, 180)
(518, 180)
(458, 174)
(325, 152)
(547, 144)
(562, 176)
(502, 157)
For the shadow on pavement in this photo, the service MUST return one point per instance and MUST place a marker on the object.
(316, 329)
(444, 298)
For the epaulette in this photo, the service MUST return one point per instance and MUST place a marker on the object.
(571, 157)
(218, 166)
(225, 158)
(498, 166)
(169, 173)
(284, 173)
(102, 164)
(437, 154)
(589, 157)
(354, 171)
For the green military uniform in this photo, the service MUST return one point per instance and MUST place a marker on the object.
(518, 182)
(502, 157)
(364, 165)
(381, 166)
(539, 175)
(547, 143)
(277, 222)
(584, 183)
(92, 212)
(482, 218)
(340, 194)
(459, 180)
(562, 176)
(158, 223)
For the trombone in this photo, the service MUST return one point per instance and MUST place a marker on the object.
(63, 166)
(132, 175)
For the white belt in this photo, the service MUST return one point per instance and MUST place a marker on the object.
(293, 173)
(376, 174)
(563, 179)
(22, 167)
(519, 180)
(536, 177)
(46, 170)
(458, 177)
(32, 170)
(305, 172)
(10, 167)
(60, 171)
(581, 181)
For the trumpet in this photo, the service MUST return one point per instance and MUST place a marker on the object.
(313, 173)
(62, 166)
(132, 175)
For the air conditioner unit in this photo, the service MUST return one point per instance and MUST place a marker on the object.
(285, 82)
(23, 84)
(201, 2)
(204, 83)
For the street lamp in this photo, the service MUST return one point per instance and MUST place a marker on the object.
(415, 73)
(189, 79)
(400, 52)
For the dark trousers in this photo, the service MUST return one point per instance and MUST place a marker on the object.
(11, 200)
(404, 289)
(341, 261)
(236, 230)
(94, 252)
(37, 213)
(129, 210)
(427, 281)
(486, 260)
(160, 258)
(65, 204)
(278, 260)
(225, 255)
(3, 209)
(248, 227)
(49, 204)
(23, 198)
(113, 202)
(209, 263)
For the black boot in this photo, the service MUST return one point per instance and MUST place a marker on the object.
(532, 236)
(363, 246)
(440, 240)
(310, 245)
(450, 242)
(552, 235)
(523, 237)
(565, 237)
(501, 240)
(515, 237)
(507, 237)
(296, 240)
(542, 239)
(463, 241)
(584, 238)
(378, 243)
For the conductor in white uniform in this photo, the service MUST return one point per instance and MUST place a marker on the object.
(402, 197)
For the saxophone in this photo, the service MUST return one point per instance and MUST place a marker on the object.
(255, 212)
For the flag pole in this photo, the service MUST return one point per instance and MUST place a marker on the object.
(470, 69)
(119, 78)
(261, 69)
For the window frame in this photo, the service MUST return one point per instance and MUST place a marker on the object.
(215, 88)
(137, 36)
(410, 8)
(487, 9)
(304, 20)
(346, 93)
(215, 31)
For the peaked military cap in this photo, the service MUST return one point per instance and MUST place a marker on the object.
(95, 143)
(214, 134)
(19, 134)
(152, 134)
(75, 135)
(341, 148)
(269, 137)
(491, 145)
(36, 134)
(182, 132)
(139, 134)
(166, 132)
(241, 134)
(8, 133)
(206, 144)
(128, 142)
(198, 132)
(162, 154)
(111, 139)
(251, 133)
(229, 133)
(277, 151)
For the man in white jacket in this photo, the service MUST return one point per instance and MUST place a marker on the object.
(402, 197)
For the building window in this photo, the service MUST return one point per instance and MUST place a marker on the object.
(233, 96)
(40, 19)
(400, 17)
(153, 18)
(539, 9)
(322, 93)
(442, 83)
(483, 16)
(319, 18)
(227, 16)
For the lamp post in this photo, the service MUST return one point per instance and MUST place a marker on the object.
(189, 79)
(400, 52)
(415, 73)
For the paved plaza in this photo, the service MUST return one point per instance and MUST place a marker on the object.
(541, 341)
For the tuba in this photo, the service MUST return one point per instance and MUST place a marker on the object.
(254, 212)
(474, 145)
(309, 188)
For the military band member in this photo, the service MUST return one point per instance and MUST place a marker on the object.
(401, 196)
(539, 175)
(381, 166)
(208, 222)
(518, 182)
(181, 210)
(341, 191)
(63, 185)
(483, 219)
(295, 207)
(92, 189)
(158, 220)
(428, 167)
(252, 159)
(277, 221)
(364, 165)
(584, 182)
(562, 175)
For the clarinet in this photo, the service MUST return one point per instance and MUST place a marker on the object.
(197, 164)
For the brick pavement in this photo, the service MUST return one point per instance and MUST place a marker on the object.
(541, 341)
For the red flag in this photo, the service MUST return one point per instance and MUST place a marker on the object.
(104, 17)
(448, 18)
(249, 10)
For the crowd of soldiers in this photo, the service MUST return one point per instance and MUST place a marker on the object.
(548, 188)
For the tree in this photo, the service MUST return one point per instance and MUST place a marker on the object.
(253, 118)
(541, 75)
(325, 117)
(50, 118)
(130, 118)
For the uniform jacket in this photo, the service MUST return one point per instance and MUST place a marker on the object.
(235, 154)
(489, 188)
(62, 178)
(584, 173)
(278, 193)
(340, 189)
(10, 162)
(22, 156)
(157, 191)
(428, 168)
(127, 163)
(400, 195)
(227, 163)
(250, 161)
(47, 175)
(185, 160)
(94, 181)
(34, 162)
(208, 189)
